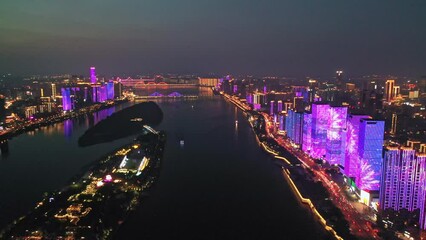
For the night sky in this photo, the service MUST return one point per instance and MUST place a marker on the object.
(291, 38)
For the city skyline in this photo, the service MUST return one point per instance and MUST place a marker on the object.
(274, 37)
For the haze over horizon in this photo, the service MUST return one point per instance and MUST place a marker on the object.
(296, 38)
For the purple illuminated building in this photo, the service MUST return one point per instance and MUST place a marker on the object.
(307, 132)
(335, 145)
(402, 180)
(352, 158)
(294, 126)
(66, 99)
(93, 75)
(370, 148)
(110, 90)
(249, 98)
(271, 111)
(320, 123)
(94, 93)
(102, 93)
(421, 158)
(280, 106)
(281, 119)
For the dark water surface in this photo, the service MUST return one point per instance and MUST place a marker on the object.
(219, 185)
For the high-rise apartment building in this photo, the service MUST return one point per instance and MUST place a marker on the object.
(389, 92)
(66, 99)
(402, 183)
(93, 79)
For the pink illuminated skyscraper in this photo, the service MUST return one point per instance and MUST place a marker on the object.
(93, 75)
(320, 119)
(307, 130)
(370, 148)
(335, 150)
(352, 158)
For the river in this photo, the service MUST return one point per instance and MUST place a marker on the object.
(218, 185)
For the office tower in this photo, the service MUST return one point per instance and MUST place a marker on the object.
(396, 91)
(339, 78)
(370, 148)
(389, 90)
(287, 106)
(271, 110)
(53, 91)
(402, 179)
(93, 79)
(307, 132)
(101, 95)
(66, 99)
(413, 94)
(312, 84)
(110, 90)
(335, 151)
(235, 88)
(289, 124)
(41, 92)
(118, 88)
(350, 86)
(30, 111)
(394, 123)
(352, 158)
(298, 104)
(280, 106)
(282, 121)
(320, 115)
(294, 126)
(94, 93)
(330, 92)
(258, 100)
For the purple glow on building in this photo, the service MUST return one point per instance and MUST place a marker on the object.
(352, 159)
(294, 126)
(102, 93)
(335, 151)
(110, 90)
(249, 98)
(421, 158)
(281, 122)
(307, 129)
(235, 88)
(256, 106)
(66, 99)
(264, 89)
(280, 106)
(370, 148)
(93, 79)
(401, 179)
(271, 110)
(320, 115)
